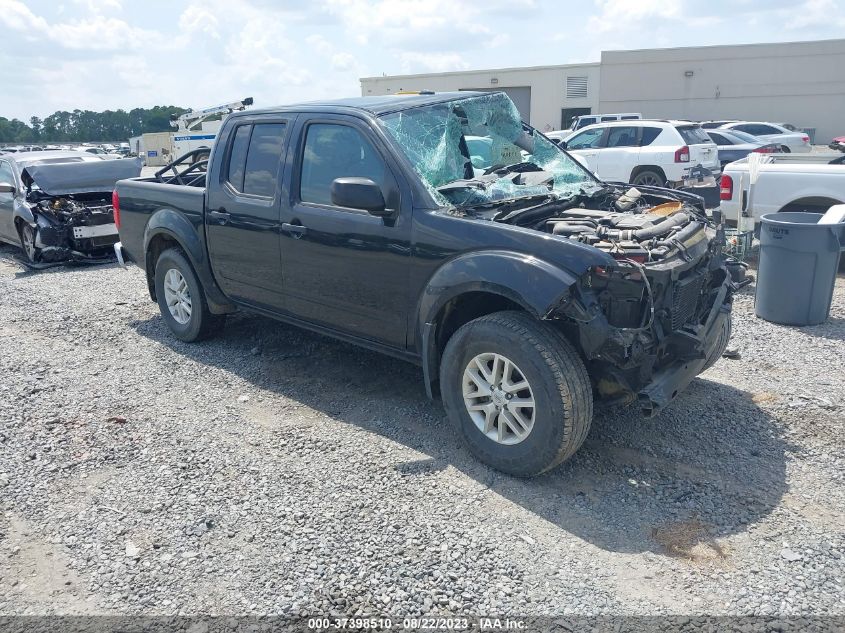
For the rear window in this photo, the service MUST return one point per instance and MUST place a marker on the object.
(693, 135)
(262, 160)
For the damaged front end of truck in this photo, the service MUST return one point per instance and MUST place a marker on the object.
(67, 213)
(655, 313)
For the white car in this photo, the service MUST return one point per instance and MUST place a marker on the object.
(785, 182)
(98, 151)
(644, 152)
(788, 140)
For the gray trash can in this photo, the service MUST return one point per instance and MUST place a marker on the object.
(798, 262)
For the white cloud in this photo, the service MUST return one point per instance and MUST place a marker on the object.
(100, 6)
(93, 33)
(622, 14)
(196, 19)
(343, 61)
(433, 62)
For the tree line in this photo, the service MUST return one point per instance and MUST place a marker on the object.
(85, 125)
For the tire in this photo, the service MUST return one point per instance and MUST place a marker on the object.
(785, 149)
(191, 322)
(724, 339)
(557, 384)
(27, 235)
(649, 178)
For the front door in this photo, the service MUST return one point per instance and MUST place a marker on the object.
(620, 154)
(7, 204)
(242, 214)
(344, 268)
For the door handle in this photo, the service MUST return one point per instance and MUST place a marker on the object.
(296, 230)
(220, 215)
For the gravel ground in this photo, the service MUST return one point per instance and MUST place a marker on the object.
(274, 471)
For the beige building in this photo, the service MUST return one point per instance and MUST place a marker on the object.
(802, 83)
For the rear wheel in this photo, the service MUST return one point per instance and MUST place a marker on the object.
(785, 149)
(28, 237)
(649, 178)
(181, 298)
(517, 393)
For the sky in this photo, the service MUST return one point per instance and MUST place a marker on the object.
(110, 54)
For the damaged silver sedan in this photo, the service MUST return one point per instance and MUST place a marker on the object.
(57, 206)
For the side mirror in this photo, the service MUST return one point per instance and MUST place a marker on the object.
(6, 187)
(359, 193)
(562, 144)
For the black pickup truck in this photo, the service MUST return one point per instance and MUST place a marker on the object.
(441, 229)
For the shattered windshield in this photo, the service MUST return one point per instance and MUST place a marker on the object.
(476, 150)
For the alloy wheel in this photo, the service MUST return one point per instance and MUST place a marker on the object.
(498, 398)
(178, 296)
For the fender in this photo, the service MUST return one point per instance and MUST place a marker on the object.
(536, 285)
(22, 212)
(176, 225)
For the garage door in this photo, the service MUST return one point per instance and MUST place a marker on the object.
(521, 97)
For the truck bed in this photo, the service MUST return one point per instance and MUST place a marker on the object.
(140, 198)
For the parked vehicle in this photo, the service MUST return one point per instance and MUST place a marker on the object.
(734, 145)
(771, 133)
(646, 152)
(591, 119)
(57, 205)
(711, 125)
(521, 288)
(838, 144)
(786, 182)
(98, 151)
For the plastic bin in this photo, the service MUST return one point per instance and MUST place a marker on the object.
(798, 262)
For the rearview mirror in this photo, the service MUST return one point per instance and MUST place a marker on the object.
(6, 187)
(359, 193)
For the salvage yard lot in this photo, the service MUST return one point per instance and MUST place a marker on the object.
(271, 470)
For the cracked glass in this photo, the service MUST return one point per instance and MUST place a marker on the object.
(476, 149)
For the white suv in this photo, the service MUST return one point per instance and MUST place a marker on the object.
(646, 152)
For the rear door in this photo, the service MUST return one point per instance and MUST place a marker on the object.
(7, 203)
(242, 213)
(619, 153)
(346, 269)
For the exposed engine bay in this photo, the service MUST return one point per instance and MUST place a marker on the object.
(662, 309)
(75, 229)
(70, 203)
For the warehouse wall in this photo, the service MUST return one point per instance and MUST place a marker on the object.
(547, 87)
(802, 83)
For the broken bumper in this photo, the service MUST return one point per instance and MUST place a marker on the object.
(669, 381)
(120, 254)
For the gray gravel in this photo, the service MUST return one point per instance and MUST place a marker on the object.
(274, 471)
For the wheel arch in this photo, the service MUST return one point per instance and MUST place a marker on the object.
(636, 171)
(169, 228)
(822, 203)
(475, 285)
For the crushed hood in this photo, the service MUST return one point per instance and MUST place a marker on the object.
(59, 179)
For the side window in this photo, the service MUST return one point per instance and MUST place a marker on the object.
(767, 129)
(262, 159)
(6, 173)
(621, 137)
(586, 140)
(336, 151)
(650, 134)
(237, 157)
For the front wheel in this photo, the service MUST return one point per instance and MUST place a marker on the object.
(181, 298)
(517, 393)
(28, 239)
